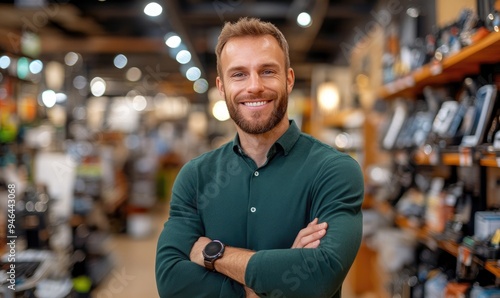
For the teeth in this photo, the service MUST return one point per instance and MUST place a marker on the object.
(255, 104)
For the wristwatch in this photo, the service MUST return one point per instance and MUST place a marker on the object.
(212, 252)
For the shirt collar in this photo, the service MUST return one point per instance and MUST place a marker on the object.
(285, 142)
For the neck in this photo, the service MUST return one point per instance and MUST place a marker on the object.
(256, 146)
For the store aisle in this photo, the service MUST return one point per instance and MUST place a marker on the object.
(133, 273)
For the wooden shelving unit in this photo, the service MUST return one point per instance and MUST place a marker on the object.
(451, 247)
(465, 157)
(451, 69)
(490, 159)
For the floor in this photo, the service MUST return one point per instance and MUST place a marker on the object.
(133, 274)
(134, 258)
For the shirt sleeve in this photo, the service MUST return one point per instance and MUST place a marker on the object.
(337, 196)
(176, 275)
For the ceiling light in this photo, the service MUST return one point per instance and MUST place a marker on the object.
(173, 40)
(133, 74)
(200, 86)
(193, 73)
(183, 57)
(36, 66)
(304, 19)
(98, 86)
(120, 61)
(153, 9)
(49, 98)
(4, 62)
(71, 58)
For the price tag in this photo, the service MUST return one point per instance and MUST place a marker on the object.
(436, 69)
(465, 157)
(498, 162)
(434, 158)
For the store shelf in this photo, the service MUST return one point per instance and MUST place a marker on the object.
(451, 68)
(493, 267)
(463, 158)
(490, 159)
(460, 156)
(425, 236)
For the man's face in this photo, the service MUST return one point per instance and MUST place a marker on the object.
(255, 83)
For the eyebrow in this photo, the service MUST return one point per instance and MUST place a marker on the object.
(265, 65)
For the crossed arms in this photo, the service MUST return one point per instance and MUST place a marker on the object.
(314, 266)
(235, 260)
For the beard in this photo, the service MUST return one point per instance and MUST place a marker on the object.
(256, 125)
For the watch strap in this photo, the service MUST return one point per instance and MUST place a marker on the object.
(209, 264)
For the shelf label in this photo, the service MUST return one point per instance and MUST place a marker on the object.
(465, 157)
(436, 69)
(434, 158)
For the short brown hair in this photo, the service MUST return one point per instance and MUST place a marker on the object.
(250, 27)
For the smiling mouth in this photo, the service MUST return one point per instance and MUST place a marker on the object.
(255, 103)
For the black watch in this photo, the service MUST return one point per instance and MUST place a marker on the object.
(212, 252)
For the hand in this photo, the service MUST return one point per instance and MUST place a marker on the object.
(250, 293)
(196, 254)
(309, 237)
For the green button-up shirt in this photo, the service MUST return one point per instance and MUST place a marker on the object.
(223, 195)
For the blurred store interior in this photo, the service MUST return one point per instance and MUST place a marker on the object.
(103, 101)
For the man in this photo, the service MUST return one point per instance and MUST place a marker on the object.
(275, 212)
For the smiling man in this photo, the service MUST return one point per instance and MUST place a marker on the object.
(275, 212)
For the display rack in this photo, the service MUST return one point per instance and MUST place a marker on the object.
(469, 61)
(451, 69)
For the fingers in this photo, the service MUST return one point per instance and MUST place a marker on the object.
(312, 223)
(313, 244)
(315, 235)
(309, 236)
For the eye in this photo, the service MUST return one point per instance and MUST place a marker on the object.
(237, 75)
(268, 72)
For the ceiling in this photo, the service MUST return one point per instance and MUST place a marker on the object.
(99, 30)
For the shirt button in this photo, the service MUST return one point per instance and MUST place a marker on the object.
(256, 173)
(253, 209)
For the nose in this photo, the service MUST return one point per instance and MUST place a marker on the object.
(255, 84)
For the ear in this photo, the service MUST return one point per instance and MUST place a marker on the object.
(290, 79)
(220, 86)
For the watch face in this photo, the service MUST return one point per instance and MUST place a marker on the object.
(213, 248)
